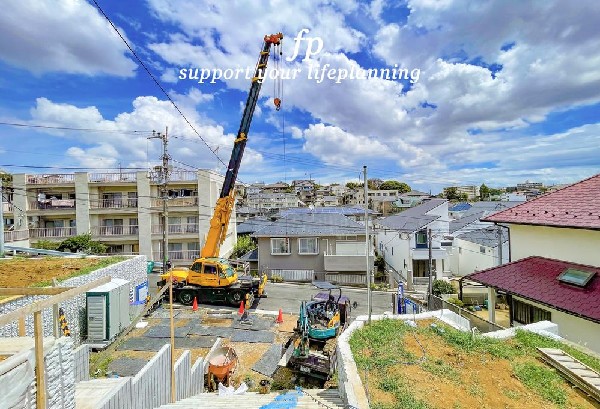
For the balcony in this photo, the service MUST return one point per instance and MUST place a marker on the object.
(179, 255)
(7, 207)
(186, 201)
(121, 177)
(55, 179)
(127, 203)
(11, 236)
(191, 228)
(52, 204)
(115, 231)
(52, 232)
(423, 253)
(175, 176)
(346, 262)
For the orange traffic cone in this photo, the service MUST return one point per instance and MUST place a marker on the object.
(195, 305)
(279, 319)
(241, 311)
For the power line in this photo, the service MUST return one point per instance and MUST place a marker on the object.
(156, 81)
(68, 128)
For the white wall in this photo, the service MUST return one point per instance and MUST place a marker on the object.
(470, 259)
(575, 329)
(573, 245)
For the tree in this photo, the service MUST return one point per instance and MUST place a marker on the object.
(484, 192)
(374, 184)
(395, 185)
(354, 185)
(243, 245)
(82, 243)
(451, 193)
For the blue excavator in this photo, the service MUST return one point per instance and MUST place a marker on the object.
(312, 349)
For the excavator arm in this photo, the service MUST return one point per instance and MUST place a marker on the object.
(224, 207)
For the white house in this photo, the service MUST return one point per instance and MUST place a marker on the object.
(555, 270)
(402, 239)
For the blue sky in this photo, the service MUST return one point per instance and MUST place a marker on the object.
(505, 92)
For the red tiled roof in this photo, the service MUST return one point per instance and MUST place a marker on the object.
(577, 205)
(535, 278)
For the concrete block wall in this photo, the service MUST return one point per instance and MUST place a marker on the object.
(132, 270)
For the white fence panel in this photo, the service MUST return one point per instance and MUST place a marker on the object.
(294, 275)
(121, 398)
(82, 363)
(151, 387)
(341, 278)
(197, 378)
(182, 375)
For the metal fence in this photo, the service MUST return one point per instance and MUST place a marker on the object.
(483, 325)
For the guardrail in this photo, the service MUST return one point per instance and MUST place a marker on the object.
(483, 325)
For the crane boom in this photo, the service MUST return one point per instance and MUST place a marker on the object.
(224, 207)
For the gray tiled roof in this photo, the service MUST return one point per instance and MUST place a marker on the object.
(485, 237)
(253, 224)
(413, 219)
(489, 207)
(345, 210)
(312, 224)
(252, 255)
(465, 221)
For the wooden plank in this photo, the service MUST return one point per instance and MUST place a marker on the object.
(50, 301)
(40, 378)
(33, 290)
(22, 326)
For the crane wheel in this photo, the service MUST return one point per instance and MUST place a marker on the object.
(235, 298)
(186, 297)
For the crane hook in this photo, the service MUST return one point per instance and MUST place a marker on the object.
(277, 103)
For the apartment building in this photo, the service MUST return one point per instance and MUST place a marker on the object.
(121, 210)
(271, 202)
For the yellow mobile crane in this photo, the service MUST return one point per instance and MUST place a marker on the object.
(211, 278)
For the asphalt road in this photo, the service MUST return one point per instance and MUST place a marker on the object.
(288, 297)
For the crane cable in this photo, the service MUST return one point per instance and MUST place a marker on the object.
(277, 82)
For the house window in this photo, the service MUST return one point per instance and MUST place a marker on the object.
(421, 239)
(280, 246)
(308, 245)
(482, 249)
(524, 313)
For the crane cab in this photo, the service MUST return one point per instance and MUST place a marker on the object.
(212, 272)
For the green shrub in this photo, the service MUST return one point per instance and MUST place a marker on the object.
(243, 245)
(456, 302)
(46, 245)
(442, 287)
(276, 278)
(82, 243)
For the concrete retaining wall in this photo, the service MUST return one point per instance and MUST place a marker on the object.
(81, 358)
(132, 270)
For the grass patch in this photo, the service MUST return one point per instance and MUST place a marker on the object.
(97, 265)
(543, 381)
(465, 341)
(439, 368)
(403, 396)
(530, 341)
(476, 390)
(379, 345)
(99, 364)
(514, 395)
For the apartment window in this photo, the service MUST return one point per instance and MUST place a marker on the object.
(524, 313)
(175, 251)
(112, 226)
(308, 245)
(280, 246)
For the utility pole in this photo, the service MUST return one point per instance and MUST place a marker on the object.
(1, 220)
(165, 245)
(368, 271)
(430, 262)
(499, 245)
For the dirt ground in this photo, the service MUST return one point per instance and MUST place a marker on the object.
(24, 272)
(479, 380)
(248, 353)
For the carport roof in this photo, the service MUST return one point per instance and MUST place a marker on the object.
(536, 278)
